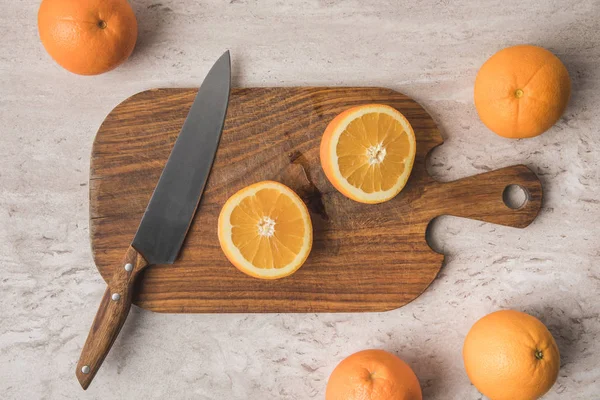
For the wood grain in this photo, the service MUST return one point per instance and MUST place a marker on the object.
(110, 317)
(364, 257)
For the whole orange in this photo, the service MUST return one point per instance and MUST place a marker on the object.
(510, 355)
(521, 91)
(87, 37)
(373, 375)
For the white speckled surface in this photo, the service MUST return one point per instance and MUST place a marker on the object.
(49, 287)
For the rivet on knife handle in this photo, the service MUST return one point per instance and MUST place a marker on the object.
(110, 317)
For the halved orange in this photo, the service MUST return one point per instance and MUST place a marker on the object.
(265, 230)
(367, 152)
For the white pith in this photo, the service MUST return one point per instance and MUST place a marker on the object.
(266, 227)
(376, 154)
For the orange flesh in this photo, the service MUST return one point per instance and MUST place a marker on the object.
(372, 151)
(268, 229)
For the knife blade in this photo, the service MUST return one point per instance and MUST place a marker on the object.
(168, 216)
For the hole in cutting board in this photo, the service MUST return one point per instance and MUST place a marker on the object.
(515, 196)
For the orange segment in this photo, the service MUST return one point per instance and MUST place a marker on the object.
(367, 152)
(265, 230)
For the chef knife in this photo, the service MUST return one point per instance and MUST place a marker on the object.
(168, 216)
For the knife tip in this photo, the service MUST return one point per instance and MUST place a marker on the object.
(226, 57)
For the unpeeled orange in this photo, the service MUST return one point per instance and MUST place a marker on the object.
(373, 375)
(521, 91)
(367, 152)
(265, 230)
(510, 355)
(87, 37)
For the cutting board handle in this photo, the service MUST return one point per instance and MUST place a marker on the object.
(480, 197)
(110, 317)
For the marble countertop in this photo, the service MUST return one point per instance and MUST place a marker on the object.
(430, 50)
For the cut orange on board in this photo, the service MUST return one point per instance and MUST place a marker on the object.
(367, 152)
(265, 230)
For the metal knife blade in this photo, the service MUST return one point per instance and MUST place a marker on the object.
(168, 215)
(170, 211)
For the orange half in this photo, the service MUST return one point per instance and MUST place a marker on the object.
(368, 152)
(265, 230)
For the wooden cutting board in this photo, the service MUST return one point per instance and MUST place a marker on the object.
(364, 257)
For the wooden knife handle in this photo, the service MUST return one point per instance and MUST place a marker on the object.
(110, 317)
